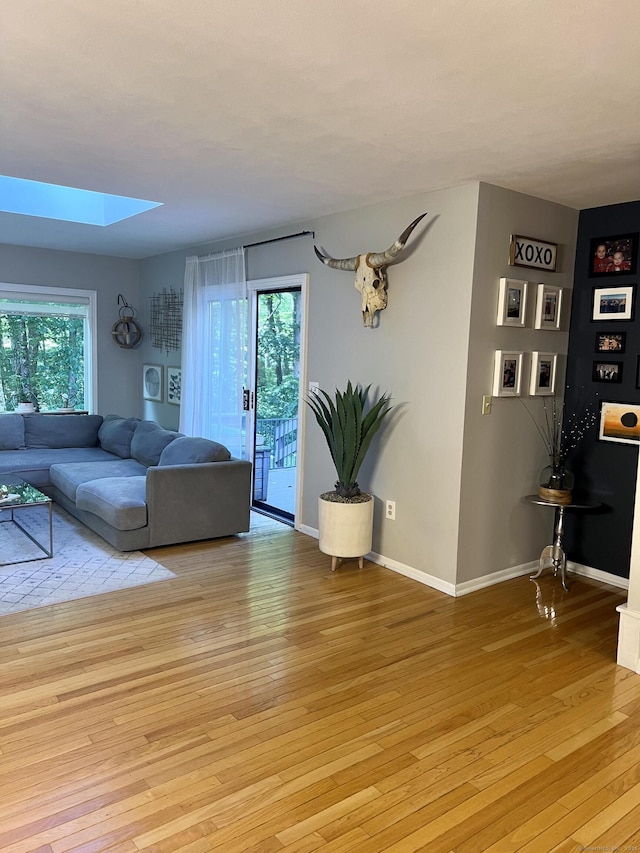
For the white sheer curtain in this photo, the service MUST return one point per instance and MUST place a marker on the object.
(214, 348)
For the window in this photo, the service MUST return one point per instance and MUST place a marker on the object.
(47, 347)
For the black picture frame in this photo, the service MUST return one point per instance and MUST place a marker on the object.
(611, 342)
(603, 251)
(638, 373)
(607, 371)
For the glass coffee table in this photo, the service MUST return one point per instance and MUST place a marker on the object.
(16, 495)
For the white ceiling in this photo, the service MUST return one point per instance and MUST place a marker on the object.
(242, 115)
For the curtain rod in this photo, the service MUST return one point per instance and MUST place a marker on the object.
(277, 239)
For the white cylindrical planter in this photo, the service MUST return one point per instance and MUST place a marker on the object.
(346, 529)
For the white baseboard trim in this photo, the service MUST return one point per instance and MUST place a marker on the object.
(414, 574)
(496, 577)
(598, 575)
(466, 587)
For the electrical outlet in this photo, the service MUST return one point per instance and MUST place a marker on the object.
(486, 405)
(390, 510)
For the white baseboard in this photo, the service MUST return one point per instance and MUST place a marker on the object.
(466, 587)
(598, 575)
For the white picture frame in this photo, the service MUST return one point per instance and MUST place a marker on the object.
(613, 303)
(174, 385)
(512, 302)
(152, 382)
(507, 373)
(542, 379)
(548, 307)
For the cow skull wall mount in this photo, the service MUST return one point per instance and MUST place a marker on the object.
(371, 273)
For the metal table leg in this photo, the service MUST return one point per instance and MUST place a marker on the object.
(555, 553)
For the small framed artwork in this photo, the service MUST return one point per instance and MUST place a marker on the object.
(613, 255)
(152, 382)
(542, 381)
(512, 302)
(527, 252)
(507, 374)
(620, 422)
(607, 371)
(613, 303)
(548, 307)
(638, 373)
(174, 385)
(611, 342)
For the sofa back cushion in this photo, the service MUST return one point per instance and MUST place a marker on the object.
(61, 430)
(11, 432)
(115, 435)
(187, 450)
(148, 442)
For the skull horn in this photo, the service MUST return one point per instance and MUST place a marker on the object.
(337, 263)
(381, 259)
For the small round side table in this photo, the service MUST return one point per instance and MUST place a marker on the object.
(555, 553)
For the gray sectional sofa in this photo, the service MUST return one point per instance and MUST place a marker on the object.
(133, 482)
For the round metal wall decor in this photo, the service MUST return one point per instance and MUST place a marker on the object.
(126, 332)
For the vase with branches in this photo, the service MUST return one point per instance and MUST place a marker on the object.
(560, 435)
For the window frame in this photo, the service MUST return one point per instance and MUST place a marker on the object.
(83, 297)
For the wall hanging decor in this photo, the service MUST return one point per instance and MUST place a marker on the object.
(611, 342)
(174, 385)
(613, 303)
(613, 255)
(512, 302)
(620, 422)
(607, 371)
(542, 382)
(548, 307)
(166, 320)
(152, 382)
(371, 273)
(507, 374)
(527, 252)
(126, 331)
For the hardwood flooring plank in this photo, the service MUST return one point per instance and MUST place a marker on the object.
(260, 703)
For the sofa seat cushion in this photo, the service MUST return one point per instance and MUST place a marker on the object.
(120, 501)
(115, 434)
(33, 463)
(11, 431)
(46, 431)
(69, 476)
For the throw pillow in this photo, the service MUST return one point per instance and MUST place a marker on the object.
(148, 442)
(115, 435)
(187, 450)
(11, 432)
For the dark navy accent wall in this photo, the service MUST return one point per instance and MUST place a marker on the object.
(605, 471)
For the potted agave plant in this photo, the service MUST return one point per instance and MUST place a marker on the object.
(349, 422)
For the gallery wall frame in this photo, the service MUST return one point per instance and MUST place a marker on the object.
(530, 252)
(512, 302)
(174, 385)
(620, 422)
(607, 371)
(542, 378)
(152, 382)
(613, 303)
(611, 342)
(548, 307)
(613, 255)
(507, 373)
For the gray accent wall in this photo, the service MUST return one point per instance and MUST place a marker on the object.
(119, 381)
(503, 454)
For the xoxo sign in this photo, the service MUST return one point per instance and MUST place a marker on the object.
(526, 252)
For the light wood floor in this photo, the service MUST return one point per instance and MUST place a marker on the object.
(260, 703)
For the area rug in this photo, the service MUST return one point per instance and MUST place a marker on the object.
(83, 563)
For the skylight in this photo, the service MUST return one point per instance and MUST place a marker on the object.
(33, 198)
